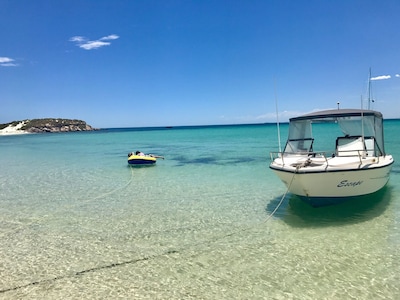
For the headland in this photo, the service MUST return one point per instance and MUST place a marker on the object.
(47, 125)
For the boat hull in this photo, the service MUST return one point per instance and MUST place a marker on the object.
(326, 185)
(357, 165)
(137, 160)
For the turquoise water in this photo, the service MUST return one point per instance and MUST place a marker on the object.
(76, 222)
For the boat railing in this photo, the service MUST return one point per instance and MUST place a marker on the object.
(305, 155)
(321, 157)
(361, 154)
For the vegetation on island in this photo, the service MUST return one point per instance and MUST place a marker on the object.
(50, 125)
(13, 123)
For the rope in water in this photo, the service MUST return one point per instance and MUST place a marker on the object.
(22, 225)
(145, 258)
(80, 202)
(115, 190)
(283, 197)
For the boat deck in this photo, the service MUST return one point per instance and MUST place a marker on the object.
(309, 163)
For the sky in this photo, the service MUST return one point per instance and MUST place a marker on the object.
(136, 63)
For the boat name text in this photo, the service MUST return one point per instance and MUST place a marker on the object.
(345, 183)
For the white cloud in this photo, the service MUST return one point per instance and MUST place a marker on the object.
(8, 65)
(397, 75)
(84, 43)
(94, 45)
(110, 37)
(382, 77)
(78, 39)
(7, 62)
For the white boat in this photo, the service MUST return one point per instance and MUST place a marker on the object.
(356, 165)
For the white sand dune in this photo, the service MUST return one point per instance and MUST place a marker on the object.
(10, 129)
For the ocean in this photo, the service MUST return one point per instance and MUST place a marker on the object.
(207, 222)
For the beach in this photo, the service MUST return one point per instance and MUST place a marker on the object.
(207, 222)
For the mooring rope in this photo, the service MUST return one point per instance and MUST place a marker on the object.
(145, 258)
(80, 202)
(283, 197)
(21, 225)
(114, 190)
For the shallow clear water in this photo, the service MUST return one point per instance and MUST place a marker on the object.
(77, 222)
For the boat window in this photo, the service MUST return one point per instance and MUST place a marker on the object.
(370, 127)
(300, 130)
(300, 146)
(370, 145)
(350, 146)
(353, 126)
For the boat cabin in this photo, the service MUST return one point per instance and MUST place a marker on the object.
(360, 133)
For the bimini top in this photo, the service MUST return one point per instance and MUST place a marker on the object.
(337, 113)
(352, 122)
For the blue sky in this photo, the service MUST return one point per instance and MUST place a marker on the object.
(134, 63)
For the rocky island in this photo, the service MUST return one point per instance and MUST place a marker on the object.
(44, 125)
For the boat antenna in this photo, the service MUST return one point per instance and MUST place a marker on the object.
(362, 127)
(369, 89)
(277, 118)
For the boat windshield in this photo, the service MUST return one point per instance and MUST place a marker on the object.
(369, 126)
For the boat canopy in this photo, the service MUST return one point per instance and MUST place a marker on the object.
(352, 122)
